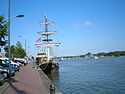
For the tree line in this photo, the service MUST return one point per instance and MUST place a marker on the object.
(115, 53)
(102, 54)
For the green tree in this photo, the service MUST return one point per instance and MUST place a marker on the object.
(16, 51)
(88, 54)
(18, 44)
(6, 50)
(12, 51)
(3, 31)
(20, 53)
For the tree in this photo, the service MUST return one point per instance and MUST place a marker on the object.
(18, 44)
(16, 51)
(88, 54)
(20, 53)
(12, 51)
(3, 31)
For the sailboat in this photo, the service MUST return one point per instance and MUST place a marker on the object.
(44, 59)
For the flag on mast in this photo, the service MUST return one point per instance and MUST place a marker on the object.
(38, 40)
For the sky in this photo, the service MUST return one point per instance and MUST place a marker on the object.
(83, 25)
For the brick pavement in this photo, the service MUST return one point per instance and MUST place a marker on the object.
(28, 82)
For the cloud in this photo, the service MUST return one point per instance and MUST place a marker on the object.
(79, 25)
(88, 23)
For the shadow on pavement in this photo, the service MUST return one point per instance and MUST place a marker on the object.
(18, 91)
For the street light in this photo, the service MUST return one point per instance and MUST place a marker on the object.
(9, 27)
(20, 16)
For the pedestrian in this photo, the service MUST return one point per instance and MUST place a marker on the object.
(33, 63)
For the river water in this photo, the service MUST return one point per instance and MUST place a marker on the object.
(90, 76)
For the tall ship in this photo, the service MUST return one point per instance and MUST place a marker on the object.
(44, 59)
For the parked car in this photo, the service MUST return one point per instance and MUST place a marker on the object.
(4, 63)
(22, 61)
(18, 63)
(1, 79)
(7, 72)
(13, 65)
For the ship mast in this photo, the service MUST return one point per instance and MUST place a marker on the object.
(46, 30)
(46, 33)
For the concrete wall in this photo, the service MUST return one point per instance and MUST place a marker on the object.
(47, 82)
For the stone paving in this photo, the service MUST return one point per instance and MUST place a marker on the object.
(28, 82)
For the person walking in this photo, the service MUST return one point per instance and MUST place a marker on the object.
(33, 62)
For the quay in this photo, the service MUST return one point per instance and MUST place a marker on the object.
(30, 81)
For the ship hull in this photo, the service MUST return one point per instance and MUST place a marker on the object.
(55, 68)
(49, 68)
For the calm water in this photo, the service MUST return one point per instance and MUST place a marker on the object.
(90, 76)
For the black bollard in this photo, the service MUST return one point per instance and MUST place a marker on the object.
(52, 89)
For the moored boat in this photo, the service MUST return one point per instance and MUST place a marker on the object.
(44, 59)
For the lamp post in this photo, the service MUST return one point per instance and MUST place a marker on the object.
(9, 27)
(28, 49)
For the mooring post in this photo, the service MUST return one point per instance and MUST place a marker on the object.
(52, 89)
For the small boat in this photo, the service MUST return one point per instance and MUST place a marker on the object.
(95, 57)
(61, 59)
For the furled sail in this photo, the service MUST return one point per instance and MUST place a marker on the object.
(51, 23)
(47, 44)
(46, 33)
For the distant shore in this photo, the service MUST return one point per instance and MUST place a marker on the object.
(89, 55)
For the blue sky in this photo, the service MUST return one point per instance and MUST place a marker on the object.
(83, 25)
